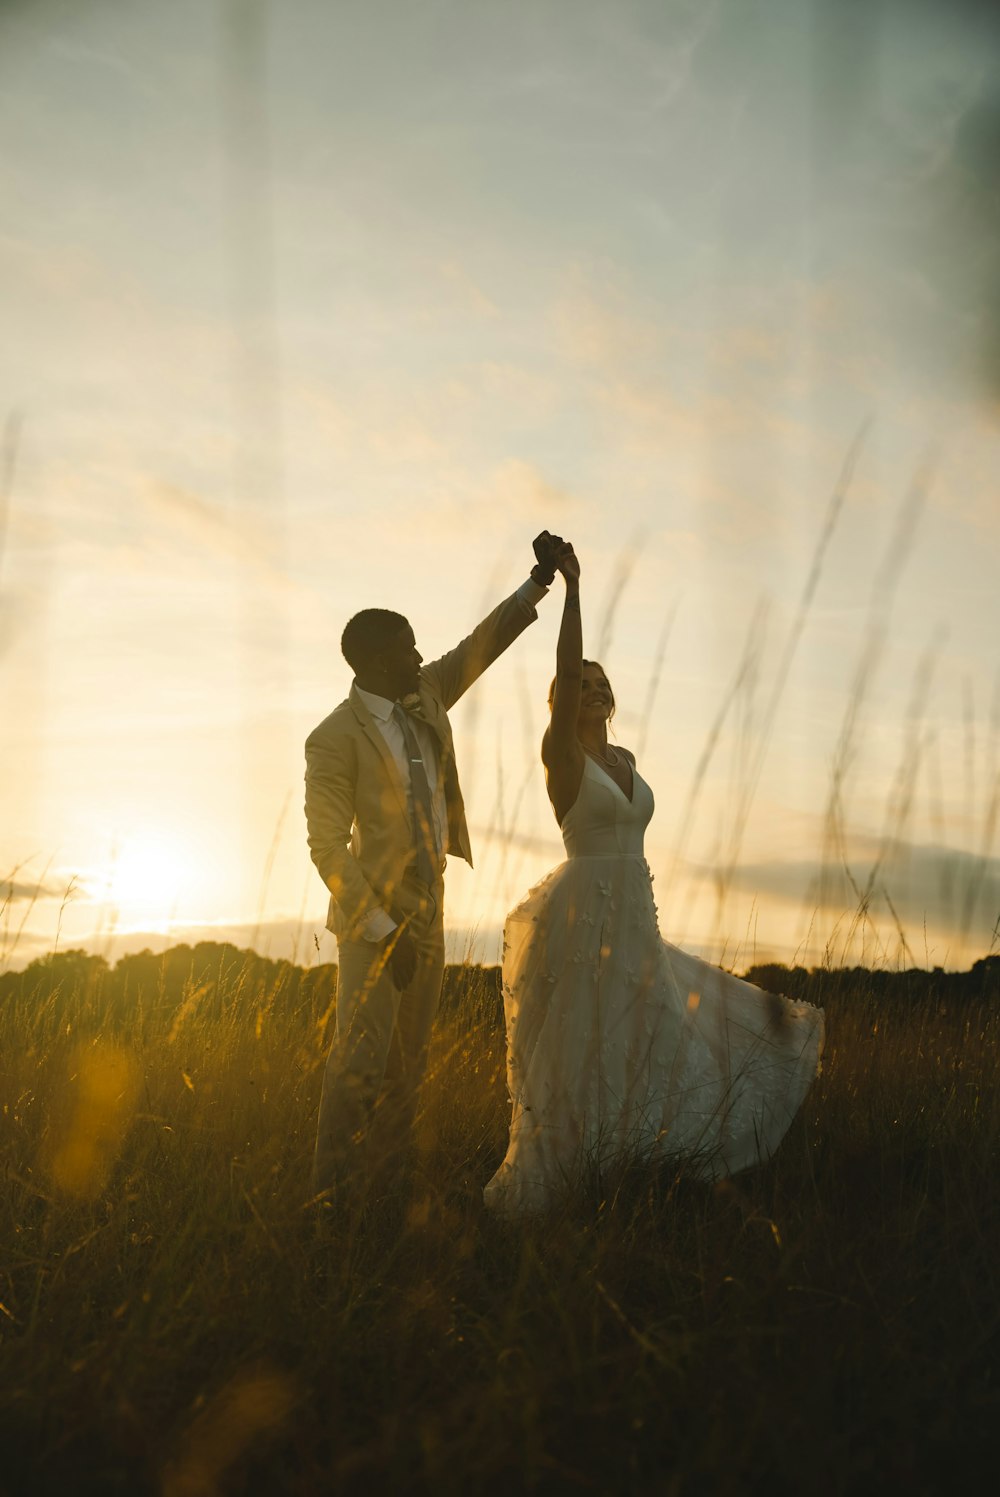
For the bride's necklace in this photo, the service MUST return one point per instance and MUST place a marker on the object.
(603, 759)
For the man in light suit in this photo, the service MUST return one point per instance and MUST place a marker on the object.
(383, 807)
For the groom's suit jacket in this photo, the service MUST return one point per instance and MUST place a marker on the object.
(356, 802)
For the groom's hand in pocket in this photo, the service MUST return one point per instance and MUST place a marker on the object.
(402, 959)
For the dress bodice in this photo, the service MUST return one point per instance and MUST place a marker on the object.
(602, 822)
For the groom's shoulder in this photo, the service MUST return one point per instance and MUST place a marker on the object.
(336, 724)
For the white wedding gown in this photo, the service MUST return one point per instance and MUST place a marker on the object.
(619, 1045)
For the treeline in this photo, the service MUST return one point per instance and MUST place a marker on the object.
(221, 978)
(981, 984)
(224, 979)
(221, 974)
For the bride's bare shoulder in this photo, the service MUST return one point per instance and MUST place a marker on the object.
(554, 754)
(563, 774)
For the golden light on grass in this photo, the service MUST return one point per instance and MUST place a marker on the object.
(102, 1085)
(252, 1404)
(404, 1303)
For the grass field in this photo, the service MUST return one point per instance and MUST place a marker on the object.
(176, 1318)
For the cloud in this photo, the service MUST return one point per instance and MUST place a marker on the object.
(977, 157)
(526, 394)
(946, 886)
(186, 515)
(18, 891)
(598, 325)
(470, 296)
(374, 430)
(519, 485)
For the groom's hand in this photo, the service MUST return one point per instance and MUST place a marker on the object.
(545, 547)
(402, 960)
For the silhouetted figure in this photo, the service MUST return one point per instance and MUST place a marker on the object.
(383, 808)
(620, 1046)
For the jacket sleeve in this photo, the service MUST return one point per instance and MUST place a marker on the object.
(331, 779)
(454, 673)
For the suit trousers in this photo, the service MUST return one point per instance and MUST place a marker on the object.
(376, 1065)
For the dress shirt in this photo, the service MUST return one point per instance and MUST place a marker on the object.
(379, 923)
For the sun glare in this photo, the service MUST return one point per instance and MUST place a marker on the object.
(145, 876)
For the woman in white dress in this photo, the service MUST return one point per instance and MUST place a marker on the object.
(619, 1045)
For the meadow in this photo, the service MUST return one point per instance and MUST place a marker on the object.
(176, 1317)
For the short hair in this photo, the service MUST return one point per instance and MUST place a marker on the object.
(600, 667)
(368, 633)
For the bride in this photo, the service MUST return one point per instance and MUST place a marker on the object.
(619, 1045)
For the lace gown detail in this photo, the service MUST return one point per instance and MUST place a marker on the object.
(619, 1044)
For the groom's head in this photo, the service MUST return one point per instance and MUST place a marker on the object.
(380, 648)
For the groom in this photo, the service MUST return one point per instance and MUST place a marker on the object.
(383, 807)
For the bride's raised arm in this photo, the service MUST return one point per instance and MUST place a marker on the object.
(561, 751)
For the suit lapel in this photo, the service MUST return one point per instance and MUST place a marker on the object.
(433, 717)
(370, 730)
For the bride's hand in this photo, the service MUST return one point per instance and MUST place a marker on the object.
(568, 562)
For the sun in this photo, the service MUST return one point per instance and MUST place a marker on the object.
(145, 875)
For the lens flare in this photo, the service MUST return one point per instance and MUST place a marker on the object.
(103, 1082)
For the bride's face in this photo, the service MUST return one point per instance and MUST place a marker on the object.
(596, 697)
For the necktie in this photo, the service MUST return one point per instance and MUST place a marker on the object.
(421, 802)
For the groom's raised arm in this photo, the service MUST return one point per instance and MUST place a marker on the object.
(454, 673)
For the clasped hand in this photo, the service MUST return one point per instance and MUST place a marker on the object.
(546, 547)
(553, 554)
(567, 562)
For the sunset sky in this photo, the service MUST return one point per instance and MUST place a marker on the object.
(317, 306)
